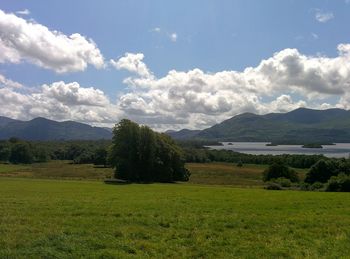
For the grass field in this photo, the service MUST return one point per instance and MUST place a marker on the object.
(45, 212)
(201, 173)
(56, 170)
(71, 219)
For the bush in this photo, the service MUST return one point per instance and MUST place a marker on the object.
(317, 186)
(321, 171)
(340, 183)
(278, 170)
(239, 164)
(273, 186)
(284, 182)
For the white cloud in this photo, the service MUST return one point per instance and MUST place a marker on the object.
(23, 12)
(133, 63)
(323, 17)
(173, 37)
(4, 82)
(22, 40)
(197, 99)
(60, 101)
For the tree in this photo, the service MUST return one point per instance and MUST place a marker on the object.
(139, 154)
(5, 152)
(100, 157)
(21, 153)
(321, 171)
(278, 170)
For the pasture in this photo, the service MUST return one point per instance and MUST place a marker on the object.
(60, 210)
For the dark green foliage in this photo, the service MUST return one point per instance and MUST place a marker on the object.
(278, 170)
(21, 153)
(340, 183)
(141, 155)
(273, 186)
(100, 157)
(193, 155)
(321, 171)
(239, 164)
(40, 155)
(85, 157)
(317, 186)
(284, 182)
(5, 152)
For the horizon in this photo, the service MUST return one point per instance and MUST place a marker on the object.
(218, 61)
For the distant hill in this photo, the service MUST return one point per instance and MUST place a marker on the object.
(44, 129)
(299, 126)
(182, 134)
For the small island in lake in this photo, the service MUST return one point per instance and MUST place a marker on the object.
(230, 144)
(312, 146)
(271, 145)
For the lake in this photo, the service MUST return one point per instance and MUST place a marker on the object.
(338, 150)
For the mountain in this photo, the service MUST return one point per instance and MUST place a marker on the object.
(44, 129)
(4, 121)
(182, 134)
(298, 126)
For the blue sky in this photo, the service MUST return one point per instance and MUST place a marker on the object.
(212, 36)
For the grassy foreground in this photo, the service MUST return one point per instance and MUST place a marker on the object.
(70, 219)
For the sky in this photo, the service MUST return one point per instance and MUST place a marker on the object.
(171, 64)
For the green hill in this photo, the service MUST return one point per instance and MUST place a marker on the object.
(299, 126)
(44, 129)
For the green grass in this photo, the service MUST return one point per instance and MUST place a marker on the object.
(57, 170)
(72, 219)
(229, 174)
(201, 173)
(9, 168)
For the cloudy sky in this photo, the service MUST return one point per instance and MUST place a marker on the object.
(172, 65)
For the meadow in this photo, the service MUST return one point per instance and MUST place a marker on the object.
(64, 218)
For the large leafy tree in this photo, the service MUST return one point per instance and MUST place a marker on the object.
(21, 153)
(141, 155)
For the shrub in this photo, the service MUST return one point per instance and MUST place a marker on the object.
(284, 182)
(239, 164)
(340, 183)
(278, 170)
(321, 171)
(317, 186)
(273, 186)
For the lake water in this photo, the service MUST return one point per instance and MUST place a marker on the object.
(259, 148)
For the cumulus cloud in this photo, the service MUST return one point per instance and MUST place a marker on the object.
(59, 101)
(198, 99)
(195, 98)
(132, 63)
(22, 40)
(8, 83)
(323, 17)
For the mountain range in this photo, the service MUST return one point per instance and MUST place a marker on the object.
(298, 126)
(45, 129)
